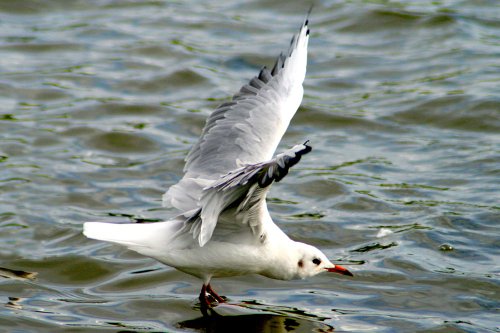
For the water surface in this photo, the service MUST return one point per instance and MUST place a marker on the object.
(102, 100)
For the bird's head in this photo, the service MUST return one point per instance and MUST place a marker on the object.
(312, 261)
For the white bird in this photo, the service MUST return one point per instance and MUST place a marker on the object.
(224, 227)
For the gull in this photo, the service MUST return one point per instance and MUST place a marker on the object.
(223, 227)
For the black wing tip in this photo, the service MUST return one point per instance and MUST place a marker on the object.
(306, 22)
(308, 148)
(289, 159)
(281, 59)
(265, 181)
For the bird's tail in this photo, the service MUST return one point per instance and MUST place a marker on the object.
(144, 238)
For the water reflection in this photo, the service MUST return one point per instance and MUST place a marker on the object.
(255, 317)
(17, 274)
(254, 323)
(14, 303)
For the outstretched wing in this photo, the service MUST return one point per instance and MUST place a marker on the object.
(248, 129)
(243, 190)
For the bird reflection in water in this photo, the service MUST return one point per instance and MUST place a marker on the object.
(255, 317)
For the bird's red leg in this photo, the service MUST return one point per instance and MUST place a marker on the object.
(212, 292)
(204, 302)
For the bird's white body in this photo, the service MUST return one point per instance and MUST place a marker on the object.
(223, 227)
(274, 255)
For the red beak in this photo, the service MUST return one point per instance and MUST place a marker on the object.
(339, 269)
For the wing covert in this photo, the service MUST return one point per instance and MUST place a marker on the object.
(243, 189)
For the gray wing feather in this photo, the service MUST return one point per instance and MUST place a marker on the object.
(248, 128)
(242, 189)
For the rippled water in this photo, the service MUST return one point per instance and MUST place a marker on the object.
(101, 101)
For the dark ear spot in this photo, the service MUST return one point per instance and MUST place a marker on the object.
(316, 261)
(300, 263)
(262, 238)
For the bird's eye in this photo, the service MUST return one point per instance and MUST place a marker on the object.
(316, 261)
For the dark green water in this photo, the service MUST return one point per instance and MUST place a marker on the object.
(100, 101)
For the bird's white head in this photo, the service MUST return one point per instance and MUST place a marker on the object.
(311, 261)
